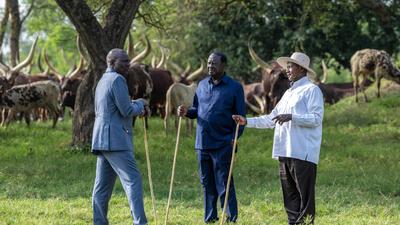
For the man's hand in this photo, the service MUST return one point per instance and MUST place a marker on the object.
(280, 119)
(239, 119)
(144, 101)
(146, 111)
(182, 110)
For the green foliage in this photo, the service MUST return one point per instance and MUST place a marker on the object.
(330, 30)
(42, 181)
(336, 28)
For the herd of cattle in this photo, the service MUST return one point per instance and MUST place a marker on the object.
(166, 85)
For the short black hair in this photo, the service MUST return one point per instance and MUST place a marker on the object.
(222, 56)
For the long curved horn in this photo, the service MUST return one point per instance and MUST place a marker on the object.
(144, 53)
(4, 68)
(261, 102)
(153, 61)
(39, 61)
(131, 48)
(187, 69)
(28, 58)
(193, 76)
(160, 64)
(257, 59)
(71, 70)
(80, 47)
(176, 67)
(324, 72)
(75, 73)
(51, 67)
(253, 107)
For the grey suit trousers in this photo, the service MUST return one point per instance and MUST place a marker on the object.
(111, 164)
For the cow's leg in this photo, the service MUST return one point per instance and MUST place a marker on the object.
(362, 87)
(62, 112)
(378, 86)
(176, 122)
(4, 114)
(55, 112)
(355, 86)
(1, 115)
(10, 116)
(166, 125)
(27, 119)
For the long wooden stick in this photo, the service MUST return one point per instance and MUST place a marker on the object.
(173, 169)
(230, 175)
(146, 147)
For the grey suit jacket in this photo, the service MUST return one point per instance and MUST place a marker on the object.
(114, 111)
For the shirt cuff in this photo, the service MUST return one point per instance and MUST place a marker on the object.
(250, 122)
(295, 118)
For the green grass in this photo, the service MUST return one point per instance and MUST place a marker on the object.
(42, 181)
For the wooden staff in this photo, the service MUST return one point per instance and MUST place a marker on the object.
(230, 175)
(146, 147)
(173, 169)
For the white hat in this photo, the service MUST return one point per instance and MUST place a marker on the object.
(300, 59)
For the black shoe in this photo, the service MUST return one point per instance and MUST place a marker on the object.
(229, 220)
(212, 220)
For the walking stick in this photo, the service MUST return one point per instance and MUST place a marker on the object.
(146, 147)
(229, 175)
(173, 169)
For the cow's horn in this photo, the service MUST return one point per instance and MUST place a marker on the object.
(28, 58)
(324, 72)
(187, 69)
(257, 59)
(161, 64)
(51, 67)
(131, 48)
(75, 73)
(193, 76)
(144, 53)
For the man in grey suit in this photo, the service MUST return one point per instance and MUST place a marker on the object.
(112, 140)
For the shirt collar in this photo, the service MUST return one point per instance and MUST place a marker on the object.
(109, 70)
(299, 82)
(224, 79)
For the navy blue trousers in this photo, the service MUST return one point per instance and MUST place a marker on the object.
(213, 170)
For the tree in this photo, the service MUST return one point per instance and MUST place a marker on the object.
(3, 25)
(98, 40)
(16, 24)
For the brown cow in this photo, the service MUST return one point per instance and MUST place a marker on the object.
(162, 80)
(252, 90)
(274, 80)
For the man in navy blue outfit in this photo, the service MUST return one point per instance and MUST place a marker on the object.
(217, 98)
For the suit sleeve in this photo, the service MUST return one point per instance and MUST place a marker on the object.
(121, 98)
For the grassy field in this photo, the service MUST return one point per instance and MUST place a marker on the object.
(42, 181)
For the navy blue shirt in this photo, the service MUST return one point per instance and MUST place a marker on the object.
(213, 106)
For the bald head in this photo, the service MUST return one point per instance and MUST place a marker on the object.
(118, 60)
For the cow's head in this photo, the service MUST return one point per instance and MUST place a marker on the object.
(12, 72)
(385, 65)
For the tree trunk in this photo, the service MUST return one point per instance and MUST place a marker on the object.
(3, 25)
(15, 31)
(98, 42)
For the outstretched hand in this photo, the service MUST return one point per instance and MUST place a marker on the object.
(146, 111)
(281, 118)
(239, 119)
